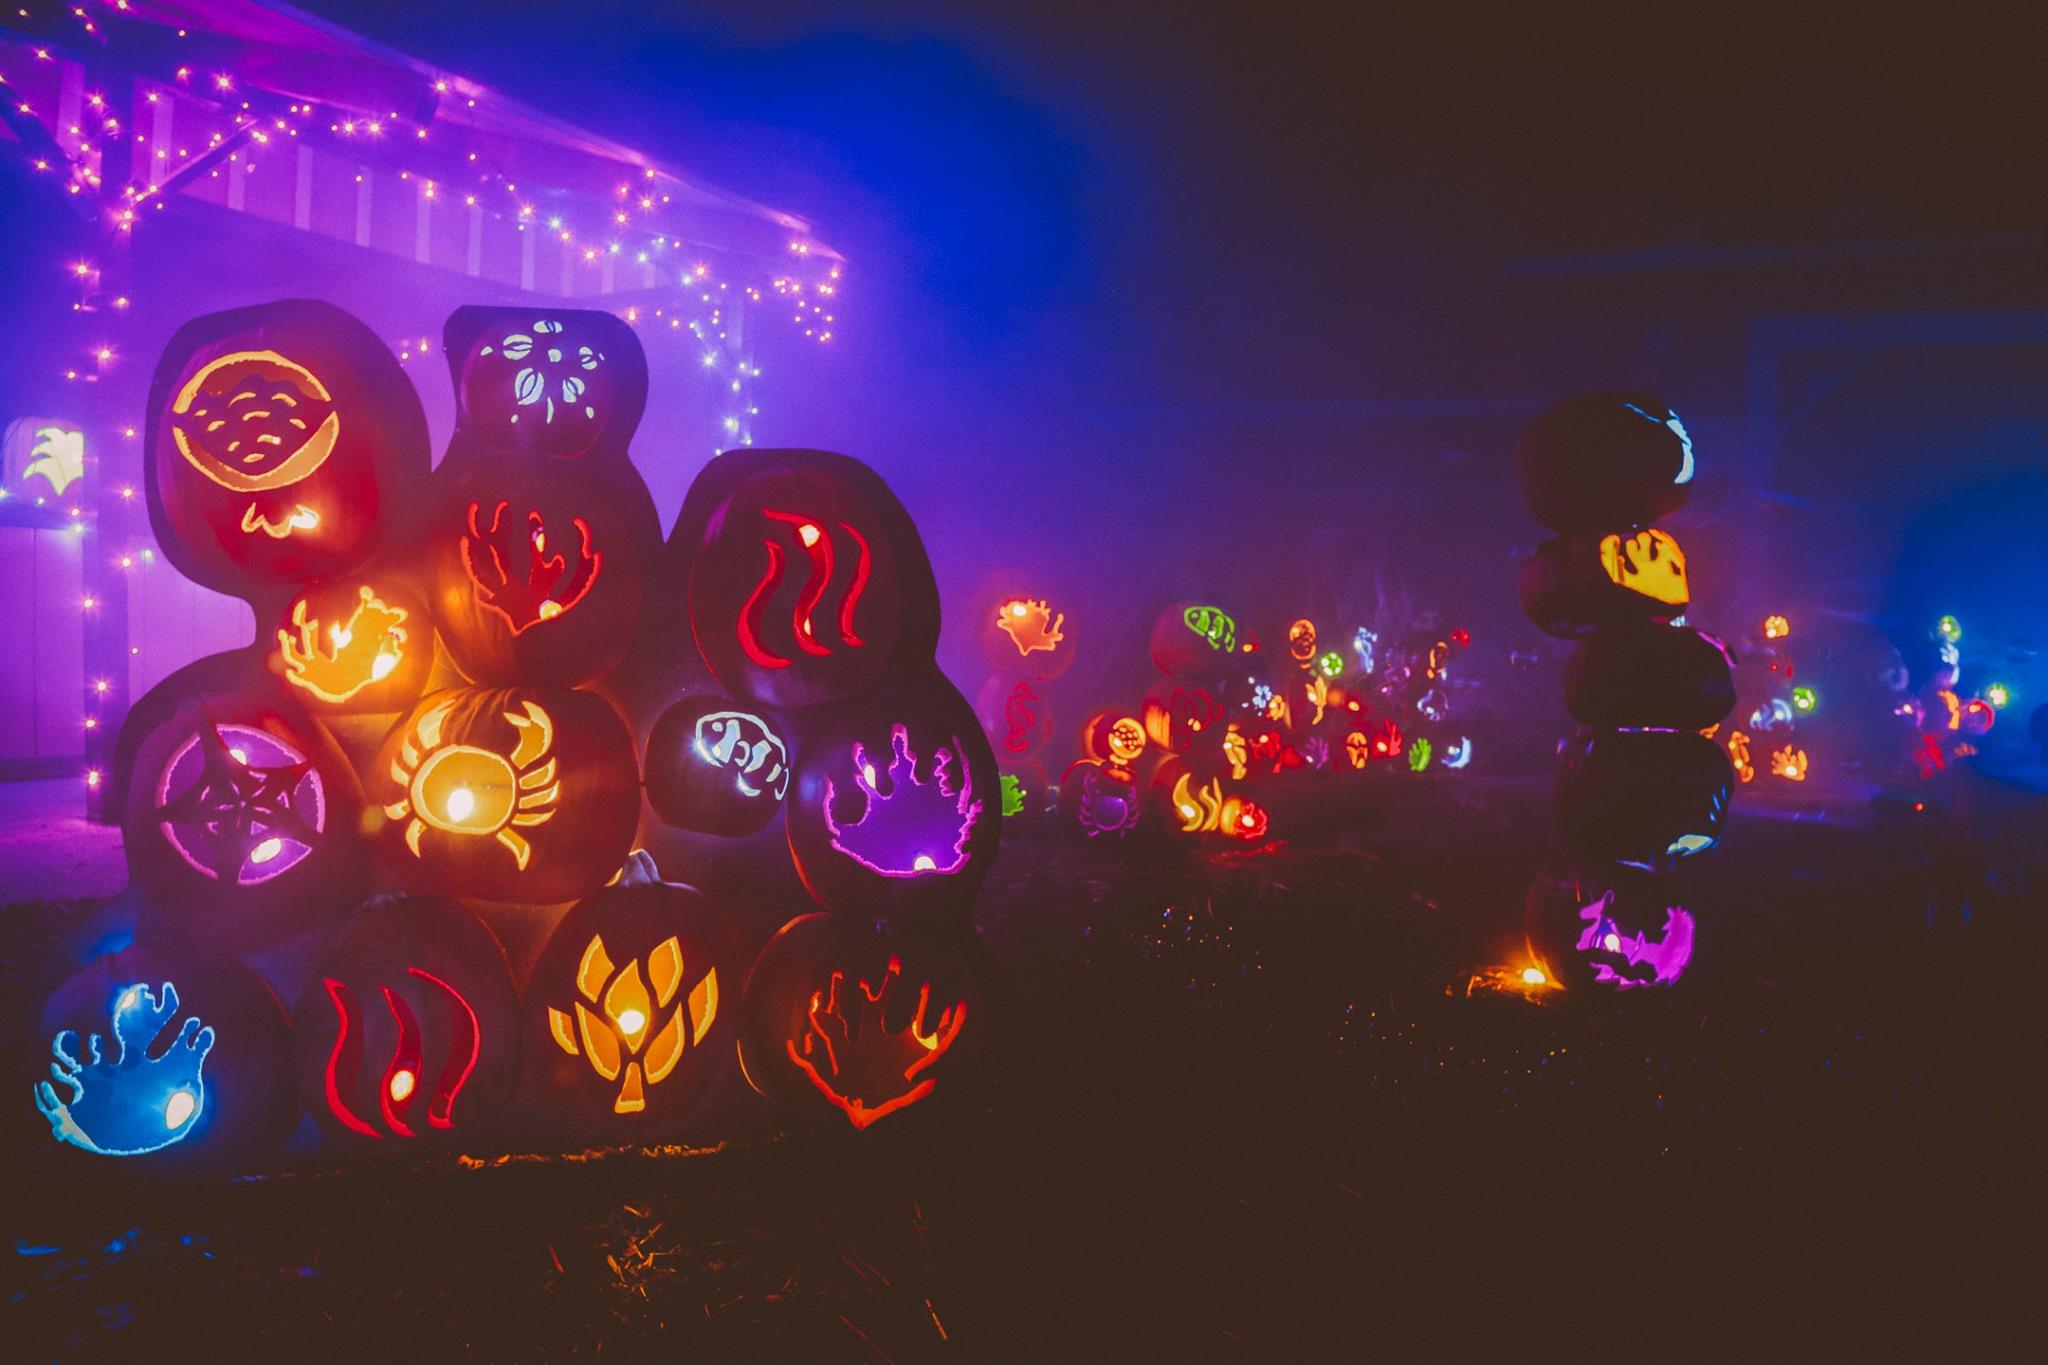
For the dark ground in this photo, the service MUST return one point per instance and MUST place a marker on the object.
(1242, 1109)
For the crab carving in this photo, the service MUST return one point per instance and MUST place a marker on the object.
(132, 1103)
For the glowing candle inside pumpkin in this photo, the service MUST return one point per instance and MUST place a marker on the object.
(631, 1022)
(1532, 976)
(461, 804)
(266, 850)
(402, 1083)
(179, 1107)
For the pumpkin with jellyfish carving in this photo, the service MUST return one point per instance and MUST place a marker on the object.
(165, 1053)
(285, 444)
(516, 794)
(1604, 459)
(864, 1021)
(897, 803)
(241, 817)
(632, 1007)
(407, 1032)
(808, 582)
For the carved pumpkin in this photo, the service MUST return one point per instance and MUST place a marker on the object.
(1621, 930)
(1646, 797)
(1023, 636)
(632, 1007)
(169, 1053)
(519, 794)
(863, 1019)
(1198, 641)
(408, 1030)
(564, 382)
(1100, 799)
(241, 817)
(1604, 459)
(1650, 676)
(1015, 716)
(897, 804)
(363, 642)
(1176, 715)
(539, 571)
(808, 583)
(1577, 584)
(285, 444)
(716, 766)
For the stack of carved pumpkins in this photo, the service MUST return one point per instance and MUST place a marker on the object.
(435, 746)
(1642, 785)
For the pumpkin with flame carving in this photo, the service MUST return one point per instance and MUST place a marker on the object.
(808, 582)
(407, 1032)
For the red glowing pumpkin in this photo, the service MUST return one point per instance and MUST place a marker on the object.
(513, 794)
(408, 1030)
(808, 583)
(539, 570)
(285, 444)
(858, 1019)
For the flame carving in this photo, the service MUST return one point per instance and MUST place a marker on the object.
(818, 546)
(921, 826)
(547, 588)
(866, 1071)
(400, 1085)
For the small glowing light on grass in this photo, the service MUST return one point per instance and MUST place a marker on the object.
(1533, 976)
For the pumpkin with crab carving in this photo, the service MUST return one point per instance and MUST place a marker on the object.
(512, 794)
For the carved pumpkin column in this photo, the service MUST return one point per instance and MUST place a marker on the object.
(1642, 785)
